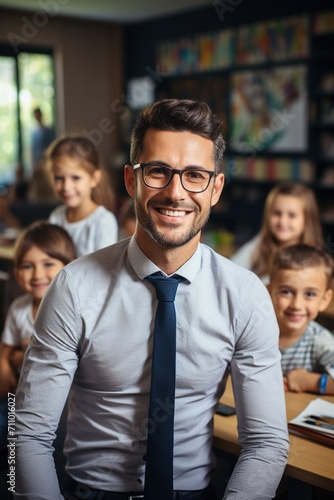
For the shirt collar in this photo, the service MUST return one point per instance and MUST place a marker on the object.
(143, 266)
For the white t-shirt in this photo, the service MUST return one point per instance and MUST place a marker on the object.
(19, 322)
(98, 230)
(243, 257)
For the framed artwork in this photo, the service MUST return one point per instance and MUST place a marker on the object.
(268, 110)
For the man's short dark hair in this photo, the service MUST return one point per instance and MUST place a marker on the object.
(179, 115)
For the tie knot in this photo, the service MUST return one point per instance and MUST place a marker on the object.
(165, 287)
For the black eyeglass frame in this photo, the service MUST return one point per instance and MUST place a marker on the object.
(173, 172)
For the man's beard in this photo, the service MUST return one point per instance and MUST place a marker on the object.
(168, 241)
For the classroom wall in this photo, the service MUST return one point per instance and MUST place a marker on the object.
(88, 70)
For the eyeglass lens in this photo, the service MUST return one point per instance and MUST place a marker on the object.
(158, 176)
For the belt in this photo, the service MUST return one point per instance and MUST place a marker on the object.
(77, 490)
(110, 495)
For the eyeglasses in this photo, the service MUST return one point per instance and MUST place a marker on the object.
(158, 176)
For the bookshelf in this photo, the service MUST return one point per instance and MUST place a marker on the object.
(322, 114)
(272, 84)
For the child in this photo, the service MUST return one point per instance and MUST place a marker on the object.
(301, 283)
(74, 164)
(41, 251)
(290, 216)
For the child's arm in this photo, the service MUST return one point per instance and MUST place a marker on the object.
(8, 379)
(301, 380)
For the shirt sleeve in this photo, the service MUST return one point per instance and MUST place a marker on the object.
(106, 230)
(243, 257)
(260, 402)
(47, 373)
(53, 219)
(325, 351)
(11, 334)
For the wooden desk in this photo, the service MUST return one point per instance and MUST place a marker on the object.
(308, 461)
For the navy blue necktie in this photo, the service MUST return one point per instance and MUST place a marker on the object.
(160, 433)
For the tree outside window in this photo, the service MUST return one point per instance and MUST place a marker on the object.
(26, 83)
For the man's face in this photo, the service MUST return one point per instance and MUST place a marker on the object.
(172, 216)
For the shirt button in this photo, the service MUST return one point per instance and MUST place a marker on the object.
(139, 481)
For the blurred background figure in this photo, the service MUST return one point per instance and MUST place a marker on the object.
(42, 136)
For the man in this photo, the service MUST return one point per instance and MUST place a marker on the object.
(94, 336)
(41, 137)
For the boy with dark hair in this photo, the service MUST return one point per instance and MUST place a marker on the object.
(301, 286)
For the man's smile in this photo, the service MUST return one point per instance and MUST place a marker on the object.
(171, 213)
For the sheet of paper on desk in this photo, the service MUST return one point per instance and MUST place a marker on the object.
(316, 419)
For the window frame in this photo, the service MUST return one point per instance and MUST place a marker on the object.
(7, 50)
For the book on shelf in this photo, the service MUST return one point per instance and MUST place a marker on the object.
(327, 82)
(272, 169)
(323, 22)
(327, 145)
(316, 422)
(327, 111)
(288, 38)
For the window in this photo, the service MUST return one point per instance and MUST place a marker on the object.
(26, 82)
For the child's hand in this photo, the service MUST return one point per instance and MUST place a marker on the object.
(285, 384)
(24, 344)
(301, 380)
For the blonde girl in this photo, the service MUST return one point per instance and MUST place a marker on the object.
(85, 193)
(291, 216)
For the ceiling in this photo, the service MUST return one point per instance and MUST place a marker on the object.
(122, 11)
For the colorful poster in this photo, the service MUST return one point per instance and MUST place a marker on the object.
(268, 110)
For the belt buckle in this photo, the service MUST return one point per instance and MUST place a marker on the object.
(133, 497)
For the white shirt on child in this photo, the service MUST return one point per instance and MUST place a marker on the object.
(314, 351)
(19, 324)
(243, 257)
(98, 230)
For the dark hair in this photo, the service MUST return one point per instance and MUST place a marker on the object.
(81, 149)
(302, 256)
(178, 115)
(49, 238)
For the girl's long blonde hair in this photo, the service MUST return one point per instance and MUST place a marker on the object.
(312, 234)
(80, 148)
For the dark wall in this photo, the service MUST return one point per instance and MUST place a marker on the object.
(141, 39)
